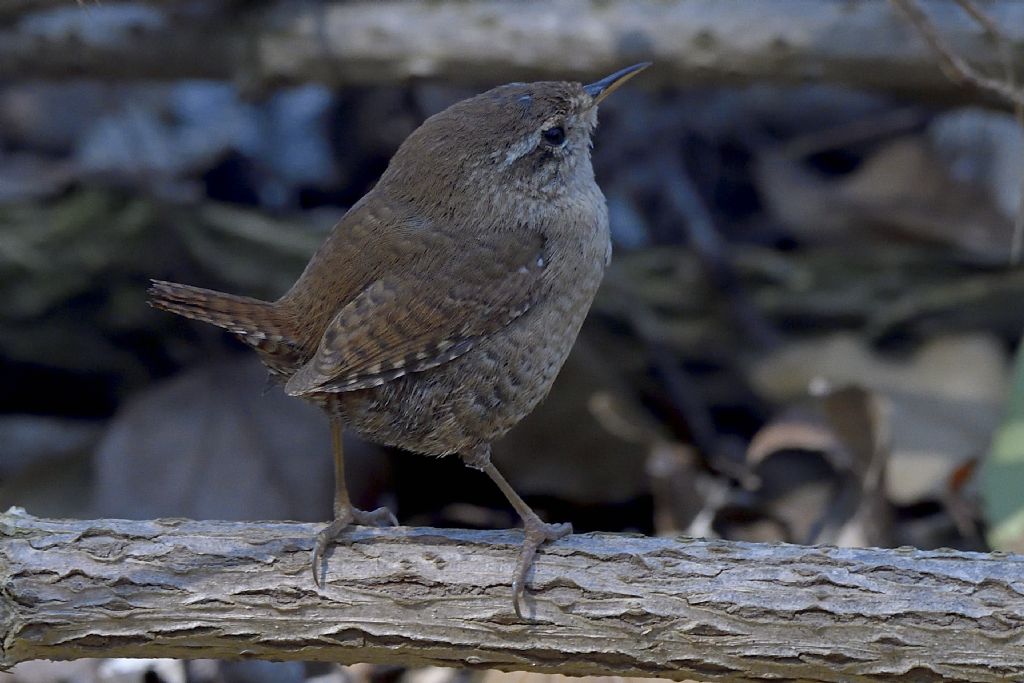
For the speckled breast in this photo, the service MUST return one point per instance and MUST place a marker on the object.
(479, 396)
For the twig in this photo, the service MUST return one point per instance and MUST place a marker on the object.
(713, 251)
(1006, 52)
(1017, 247)
(956, 68)
(959, 70)
(983, 20)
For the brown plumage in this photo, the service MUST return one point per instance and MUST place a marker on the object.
(439, 310)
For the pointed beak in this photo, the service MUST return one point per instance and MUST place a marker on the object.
(609, 84)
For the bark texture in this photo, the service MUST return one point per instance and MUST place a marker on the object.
(600, 603)
(692, 42)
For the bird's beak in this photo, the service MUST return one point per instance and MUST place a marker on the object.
(609, 84)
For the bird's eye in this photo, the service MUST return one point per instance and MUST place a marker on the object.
(554, 136)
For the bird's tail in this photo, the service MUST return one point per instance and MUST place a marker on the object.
(250, 318)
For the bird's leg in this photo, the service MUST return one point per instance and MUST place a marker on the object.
(344, 513)
(536, 531)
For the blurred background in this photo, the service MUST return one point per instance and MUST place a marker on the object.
(810, 331)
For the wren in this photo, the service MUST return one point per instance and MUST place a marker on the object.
(438, 311)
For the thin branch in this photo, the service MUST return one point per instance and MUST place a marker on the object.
(1006, 52)
(955, 67)
(985, 21)
(959, 70)
(1017, 247)
(599, 603)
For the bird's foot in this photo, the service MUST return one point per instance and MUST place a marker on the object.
(537, 533)
(343, 519)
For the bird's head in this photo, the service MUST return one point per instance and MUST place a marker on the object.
(530, 139)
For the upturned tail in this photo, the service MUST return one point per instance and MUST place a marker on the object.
(251, 318)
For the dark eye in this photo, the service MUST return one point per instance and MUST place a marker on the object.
(554, 136)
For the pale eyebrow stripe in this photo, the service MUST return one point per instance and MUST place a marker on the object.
(519, 150)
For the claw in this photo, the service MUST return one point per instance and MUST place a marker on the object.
(328, 534)
(379, 517)
(536, 534)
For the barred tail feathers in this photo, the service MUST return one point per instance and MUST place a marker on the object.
(242, 315)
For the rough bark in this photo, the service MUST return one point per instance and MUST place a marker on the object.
(600, 603)
(862, 44)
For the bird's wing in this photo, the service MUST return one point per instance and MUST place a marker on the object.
(457, 289)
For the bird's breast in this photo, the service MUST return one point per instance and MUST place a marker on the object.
(479, 396)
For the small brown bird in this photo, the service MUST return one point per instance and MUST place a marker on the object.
(439, 310)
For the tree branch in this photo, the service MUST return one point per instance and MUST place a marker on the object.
(601, 603)
(692, 42)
